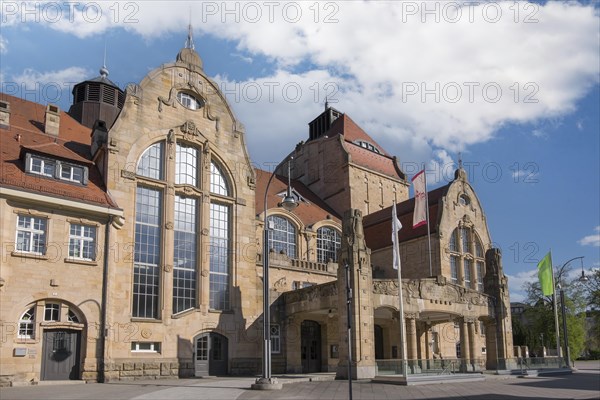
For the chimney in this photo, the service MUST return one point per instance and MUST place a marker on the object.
(99, 136)
(52, 120)
(4, 114)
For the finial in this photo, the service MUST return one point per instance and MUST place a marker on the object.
(326, 103)
(459, 160)
(103, 69)
(189, 43)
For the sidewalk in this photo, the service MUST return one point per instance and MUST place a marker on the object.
(583, 384)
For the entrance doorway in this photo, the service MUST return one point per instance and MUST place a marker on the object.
(310, 342)
(61, 358)
(379, 343)
(210, 350)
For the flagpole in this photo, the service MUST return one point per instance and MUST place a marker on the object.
(403, 351)
(558, 349)
(427, 216)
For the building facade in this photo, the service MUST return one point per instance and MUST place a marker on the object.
(132, 244)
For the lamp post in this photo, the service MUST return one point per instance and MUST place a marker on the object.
(564, 310)
(266, 381)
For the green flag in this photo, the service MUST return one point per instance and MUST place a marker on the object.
(545, 274)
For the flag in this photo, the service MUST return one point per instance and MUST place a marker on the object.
(420, 188)
(545, 274)
(396, 226)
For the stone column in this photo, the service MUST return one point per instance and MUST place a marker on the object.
(357, 256)
(464, 346)
(292, 346)
(472, 351)
(411, 335)
(428, 349)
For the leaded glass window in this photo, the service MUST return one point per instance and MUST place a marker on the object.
(328, 244)
(147, 253)
(282, 235)
(218, 182)
(150, 164)
(184, 260)
(467, 264)
(454, 268)
(186, 168)
(219, 255)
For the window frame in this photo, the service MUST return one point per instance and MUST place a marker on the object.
(189, 101)
(280, 244)
(27, 325)
(83, 240)
(324, 251)
(32, 232)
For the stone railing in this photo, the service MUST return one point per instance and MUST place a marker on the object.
(283, 261)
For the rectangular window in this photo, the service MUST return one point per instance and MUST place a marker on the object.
(467, 271)
(82, 242)
(454, 269)
(42, 166)
(31, 234)
(147, 253)
(145, 347)
(71, 173)
(480, 276)
(52, 312)
(275, 339)
(465, 236)
(219, 256)
(184, 256)
(481, 328)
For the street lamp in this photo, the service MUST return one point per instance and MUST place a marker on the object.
(563, 309)
(266, 381)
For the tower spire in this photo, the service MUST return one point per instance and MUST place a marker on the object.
(189, 43)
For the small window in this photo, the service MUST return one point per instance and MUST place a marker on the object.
(145, 347)
(52, 312)
(71, 173)
(42, 166)
(150, 164)
(27, 324)
(275, 339)
(189, 101)
(464, 200)
(72, 317)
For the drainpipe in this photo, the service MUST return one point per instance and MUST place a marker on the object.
(104, 309)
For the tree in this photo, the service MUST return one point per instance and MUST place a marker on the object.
(540, 315)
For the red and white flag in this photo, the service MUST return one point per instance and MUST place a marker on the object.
(420, 188)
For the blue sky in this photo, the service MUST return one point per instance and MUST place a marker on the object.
(512, 86)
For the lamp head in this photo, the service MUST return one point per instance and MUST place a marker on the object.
(583, 278)
(289, 202)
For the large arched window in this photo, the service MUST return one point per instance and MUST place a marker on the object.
(220, 239)
(283, 236)
(151, 162)
(328, 244)
(466, 258)
(152, 187)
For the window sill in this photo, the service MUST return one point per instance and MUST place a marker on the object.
(220, 311)
(149, 320)
(24, 254)
(183, 313)
(91, 263)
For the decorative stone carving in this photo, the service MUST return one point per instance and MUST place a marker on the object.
(168, 268)
(205, 273)
(168, 102)
(280, 285)
(128, 174)
(117, 221)
(169, 225)
(146, 333)
(386, 287)
(133, 89)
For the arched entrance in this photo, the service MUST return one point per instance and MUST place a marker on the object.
(310, 342)
(210, 354)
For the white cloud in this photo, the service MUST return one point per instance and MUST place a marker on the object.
(440, 168)
(516, 284)
(433, 84)
(526, 176)
(591, 240)
(49, 86)
(3, 45)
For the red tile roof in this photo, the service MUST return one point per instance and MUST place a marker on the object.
(378, 226)
(371, 160)
(26, 132)
(309, 213)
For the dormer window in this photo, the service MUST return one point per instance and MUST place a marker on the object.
(56, 169)
(368, 146)
(71, 173)
(189, 101)
(42, 166)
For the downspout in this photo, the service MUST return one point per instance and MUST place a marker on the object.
(104, 309)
